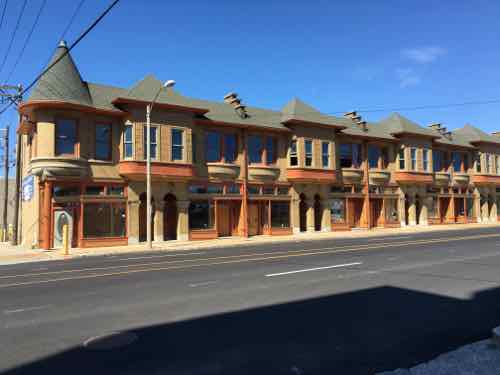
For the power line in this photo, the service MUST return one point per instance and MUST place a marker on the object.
(71, 20)
(73, 45)
(27, 40)
(3, 13)
(13, 35)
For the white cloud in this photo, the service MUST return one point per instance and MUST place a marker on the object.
(407, 77)
(423, 55)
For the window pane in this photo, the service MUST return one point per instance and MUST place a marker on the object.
(213, 146)
(177, 144)
(128, 150)
(153, 142)
(337, 210)
(413, 153)
(401, 156)
(197, 189)
(426, 160)
(270, 150)
(280, 214)
(94, 190)
(115, 190)
(65, 137)
(103, 142)
(283, 190)
(229, 148)
(66, 191)
(128, 133)
(253, 189)
(233, 189)
(268, 190)
(437, 161)
(104, 220)
(457, 162)
(325, 154)
(255, 149)
(293, 153)
(373, 156)
(308, 146)
(214, 189)
(201, 215)
(345, 155)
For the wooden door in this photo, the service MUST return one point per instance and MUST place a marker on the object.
(223, 219)
(318, 215)
(235, 208)
(357, 209)
(142, 220)
(444, 204)
(376, 212)
(303, 215)
(253, 219)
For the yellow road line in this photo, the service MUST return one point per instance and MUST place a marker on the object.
(260, 258)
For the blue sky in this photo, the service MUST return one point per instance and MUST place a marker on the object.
(335, 55)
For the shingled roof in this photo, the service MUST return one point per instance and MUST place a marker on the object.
(397, 124)
(297, 110)
(474, 135)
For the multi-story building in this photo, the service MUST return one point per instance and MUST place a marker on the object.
(224, 169)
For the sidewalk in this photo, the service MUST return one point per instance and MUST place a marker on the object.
(14, 254)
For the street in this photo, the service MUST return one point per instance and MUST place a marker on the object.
(345, 306)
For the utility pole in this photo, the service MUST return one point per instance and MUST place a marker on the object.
(14, 94)
(5, 146)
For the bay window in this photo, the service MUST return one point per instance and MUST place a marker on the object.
(413, 158)
(374, 154)
(325, 154)
(127, 142)
(221, 147)
(201, 215)
(350, 155)
(153, 142)
(261, 150)
(337, 211)
(177, 144)
(294, 160)
(402, 159)
(103, 142)
(437, 160)
(309, 152)
(425, 159)
(65, 137)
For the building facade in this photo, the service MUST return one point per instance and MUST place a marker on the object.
(224, 169)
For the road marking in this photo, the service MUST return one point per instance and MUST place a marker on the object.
(289, 254)
(162, 256)
(195, 285)
(25, 309)
(387, 238)
(314, 269)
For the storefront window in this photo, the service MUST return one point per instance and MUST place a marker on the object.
(285, 190)
(432, 209)
(233, 189)
(214, 189)
(391, 210)
(337, 211)
(459, 207)
(104, 220)
(201, 215)
(269, 190)
(116, 190)
(252, 189)
(280, 214)
(469, 204)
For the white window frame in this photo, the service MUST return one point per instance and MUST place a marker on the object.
(128, 124)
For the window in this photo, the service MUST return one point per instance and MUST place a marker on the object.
(201, 215)
(325, 154)
(214, 189)
(254, 149)
(350, 155)
(66, 137)
(127, 142)
(374, 154)
(94, 190)
(478, 162)
(280, 214)
(309, 152)
(252, 189)
(153, 142)
(401, 157)
(294, 160)
(337, 211)
(269, 190)
(498, 166)
(229, 148)
(197, 189)
(194, 154)
(103, 142)
(437, 160)
(270, 150)
(413, 158)
(104, 220)
(233, 189)
(283, 190)
(116, 190)
(65, 191)
(384, 157)
(391, 210)
(491, 163)
(177, 144)
(425, 160)
(213, 150)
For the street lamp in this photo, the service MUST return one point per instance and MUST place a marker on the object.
(149, 108)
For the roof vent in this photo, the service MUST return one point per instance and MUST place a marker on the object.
(435, 126)
(446, 134)
(232, 98)
(362, 125)
(356, 119)
(350, 114)
(497, 134)
(63, 44)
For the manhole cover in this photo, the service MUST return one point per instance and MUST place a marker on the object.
(111, 341)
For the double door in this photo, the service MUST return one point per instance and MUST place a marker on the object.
(228, 214)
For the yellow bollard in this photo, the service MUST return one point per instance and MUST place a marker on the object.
(10, 232)
(2, 233)
(65, 241)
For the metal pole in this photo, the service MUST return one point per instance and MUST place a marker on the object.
(15, 231)
(148, 177)
(6, 178)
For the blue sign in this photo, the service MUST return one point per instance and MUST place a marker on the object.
(28, 187)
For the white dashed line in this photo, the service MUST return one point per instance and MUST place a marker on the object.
(314, 269)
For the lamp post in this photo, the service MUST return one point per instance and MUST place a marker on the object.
(149, 212)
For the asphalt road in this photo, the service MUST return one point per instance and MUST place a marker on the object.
(351, 306)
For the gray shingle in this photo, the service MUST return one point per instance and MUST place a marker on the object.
(297, 110)
(474, 135)
(397, 124)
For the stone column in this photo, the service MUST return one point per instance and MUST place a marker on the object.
(183, 220)
(133, 221)
(158, 221)
(310, 215)
(295, 215)
(424, 211)
(484, 208)
(476, 212)
(402, 210)
(493, 210)
(412, 210)
(326, 221)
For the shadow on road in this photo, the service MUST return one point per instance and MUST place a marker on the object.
(353, 333)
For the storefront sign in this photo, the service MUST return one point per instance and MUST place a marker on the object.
(28, 188)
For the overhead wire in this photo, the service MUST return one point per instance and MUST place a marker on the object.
(3, 13)
(16, 27)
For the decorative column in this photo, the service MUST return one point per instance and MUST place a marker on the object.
(326, 220)
(310, 215)
(476, 212)
(484, 208)
(158, 221)
(295, 214)
(493, 209)
(183, 220)
(402, 210)
(424, 211)
(46, 214)
(133, 221)
(412, 210)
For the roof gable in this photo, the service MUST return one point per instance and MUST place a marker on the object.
(397, 124)
(298, 111)
(476, 135)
